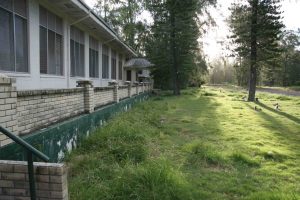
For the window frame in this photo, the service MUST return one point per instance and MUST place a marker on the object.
(47, 40)
(28, 72)
(113, 65)
(81, 45)
(105, 76)
(120, 67)
(97, 75)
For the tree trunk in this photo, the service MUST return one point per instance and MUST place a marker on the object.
(176, 82)
(253, 56)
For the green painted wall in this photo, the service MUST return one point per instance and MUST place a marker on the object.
(60, 138)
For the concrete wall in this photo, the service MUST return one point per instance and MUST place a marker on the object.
(51, 181)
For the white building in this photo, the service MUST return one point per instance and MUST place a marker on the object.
(54, 43)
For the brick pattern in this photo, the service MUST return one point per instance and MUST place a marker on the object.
(133, 90)
(103, 96)
(8, 108)
(25, 111)
(141, 88)
(123, 92)
(51, 181)
(88, 95)
(39, 109)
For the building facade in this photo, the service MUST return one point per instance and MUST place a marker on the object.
(51, 44)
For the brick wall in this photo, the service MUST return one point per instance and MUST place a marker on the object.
(23, 112)
(51, 181)
(103, 96)
(123, 92)
(8, 107)
(40, 108)
(133, 90)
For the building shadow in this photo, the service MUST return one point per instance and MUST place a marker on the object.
(290, 117)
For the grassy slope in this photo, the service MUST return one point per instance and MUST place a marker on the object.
(206, 144)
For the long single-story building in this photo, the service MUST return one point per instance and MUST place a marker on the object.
(50, 44)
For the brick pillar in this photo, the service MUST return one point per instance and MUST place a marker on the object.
(128, 83)
(8, 107)
(137, 87)
(143, 87)
(116, 93)
(89, 104)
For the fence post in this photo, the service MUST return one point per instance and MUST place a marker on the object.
(137, 87)
(8, 107)
(128, 83)
(89, 104)
(116, 90)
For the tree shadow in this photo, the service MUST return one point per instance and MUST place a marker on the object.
(290, 117)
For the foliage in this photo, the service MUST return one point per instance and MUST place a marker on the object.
(173, 43)
(123, 16)
(256, 32)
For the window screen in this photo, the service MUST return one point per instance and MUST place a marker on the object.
(13, 36)
(77, 52)
(120, 67)
(105, 60)
(94, 58)
(51, 43)
(113, 65)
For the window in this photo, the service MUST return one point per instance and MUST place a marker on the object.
(94, 58)
(113, 65)
(128, 75)
(120, 67)
(13, 36)
(51, 43)
(105, 59)
(77, 52)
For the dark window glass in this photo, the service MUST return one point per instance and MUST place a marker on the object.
(7, 61)
(77, 52)
(43, 50)
(105, 62)
(13, 36)
(94, 58)
(21, 44)
(128, 75)
(51, 43)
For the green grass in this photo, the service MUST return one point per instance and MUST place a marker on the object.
(205, 144)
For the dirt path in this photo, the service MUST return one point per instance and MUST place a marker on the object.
(279, 91)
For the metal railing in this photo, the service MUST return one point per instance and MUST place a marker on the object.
(30, 152)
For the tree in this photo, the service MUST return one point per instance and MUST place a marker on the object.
(173, 44)
(256, 31)
(122, 15)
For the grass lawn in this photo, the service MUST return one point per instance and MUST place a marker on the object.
(205, 144)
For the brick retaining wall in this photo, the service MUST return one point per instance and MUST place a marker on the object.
(51, 181)
(23, 112)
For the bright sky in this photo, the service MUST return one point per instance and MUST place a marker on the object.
(211, 41)
(212, 46)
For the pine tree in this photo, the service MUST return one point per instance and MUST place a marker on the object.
(257, 30)
(173, 45)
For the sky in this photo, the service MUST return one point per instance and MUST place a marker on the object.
(212, 47)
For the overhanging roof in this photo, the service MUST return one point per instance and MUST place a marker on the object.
(80, 13)
(138, 63)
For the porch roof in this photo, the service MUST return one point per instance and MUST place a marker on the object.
(138, 63)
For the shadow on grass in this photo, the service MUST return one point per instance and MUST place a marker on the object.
(290, 117)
